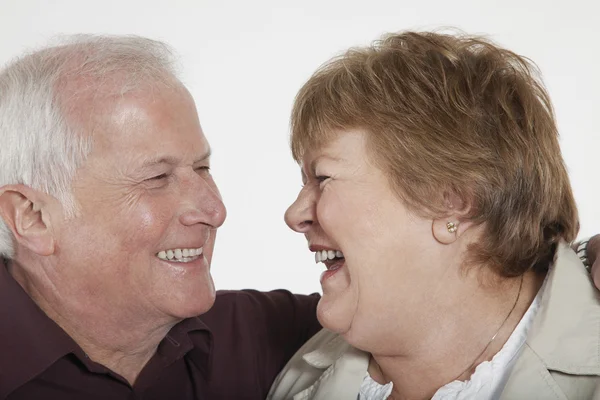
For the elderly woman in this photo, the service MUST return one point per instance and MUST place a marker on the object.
(436, 196)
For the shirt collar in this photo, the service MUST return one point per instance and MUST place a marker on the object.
(191, 339)
(199, 342)
(31, 341)
(190, 335)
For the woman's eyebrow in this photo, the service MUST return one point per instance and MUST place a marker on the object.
(327, 157)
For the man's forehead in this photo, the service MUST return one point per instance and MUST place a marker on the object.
(143, 121)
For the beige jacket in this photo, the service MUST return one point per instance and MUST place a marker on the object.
(559, 360)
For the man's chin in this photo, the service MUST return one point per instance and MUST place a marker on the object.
(192, 302)
(193, 311)
(202, 304)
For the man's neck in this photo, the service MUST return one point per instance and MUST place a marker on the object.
(122, 343)
(127, 357)
(451, 352)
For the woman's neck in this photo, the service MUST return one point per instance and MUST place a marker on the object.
(459, 344)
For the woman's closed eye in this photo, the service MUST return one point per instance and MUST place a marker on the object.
(318, 180)
(321, 179)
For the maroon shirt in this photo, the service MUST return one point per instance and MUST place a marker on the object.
(234, 351)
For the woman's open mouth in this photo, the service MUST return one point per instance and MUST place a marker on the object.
(334, 260)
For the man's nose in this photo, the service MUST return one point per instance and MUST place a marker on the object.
(301, 215)
(206, 206)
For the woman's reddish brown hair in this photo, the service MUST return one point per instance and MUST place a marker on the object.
(452, 114)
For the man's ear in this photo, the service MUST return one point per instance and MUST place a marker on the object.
(455, 223)
(23, 211)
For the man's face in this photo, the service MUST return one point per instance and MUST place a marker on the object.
(143, 239)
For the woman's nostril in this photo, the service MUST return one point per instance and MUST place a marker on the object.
(304, 225)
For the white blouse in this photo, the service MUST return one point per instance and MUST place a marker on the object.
(489, 378)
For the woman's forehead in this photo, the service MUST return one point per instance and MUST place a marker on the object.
(335, 145)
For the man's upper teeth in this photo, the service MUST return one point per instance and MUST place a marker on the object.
(324, 255)
(178, 254)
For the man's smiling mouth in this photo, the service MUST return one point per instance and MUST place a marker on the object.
(180, 255)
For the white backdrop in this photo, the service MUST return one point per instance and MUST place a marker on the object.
(244, 61)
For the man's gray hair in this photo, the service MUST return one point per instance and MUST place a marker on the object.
(40, 146)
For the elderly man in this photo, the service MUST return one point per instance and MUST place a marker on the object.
(110, 215)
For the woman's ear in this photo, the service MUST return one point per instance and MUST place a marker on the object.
(23, 211)
(455, 223)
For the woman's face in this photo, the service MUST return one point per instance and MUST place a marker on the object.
(347, 205)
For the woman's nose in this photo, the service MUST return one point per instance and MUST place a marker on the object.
(300, 215)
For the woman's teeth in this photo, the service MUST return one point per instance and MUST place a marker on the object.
(325, 255)
(180, 255)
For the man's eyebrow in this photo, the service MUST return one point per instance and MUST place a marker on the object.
(204, 157)
(172, 160)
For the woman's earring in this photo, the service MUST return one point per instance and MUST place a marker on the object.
(452, 227)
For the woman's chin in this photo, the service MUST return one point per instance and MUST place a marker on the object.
(334, 315)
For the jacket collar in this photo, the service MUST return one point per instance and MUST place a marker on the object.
(326, 355)
(345, 368)
(566, 327)
(564, 336)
